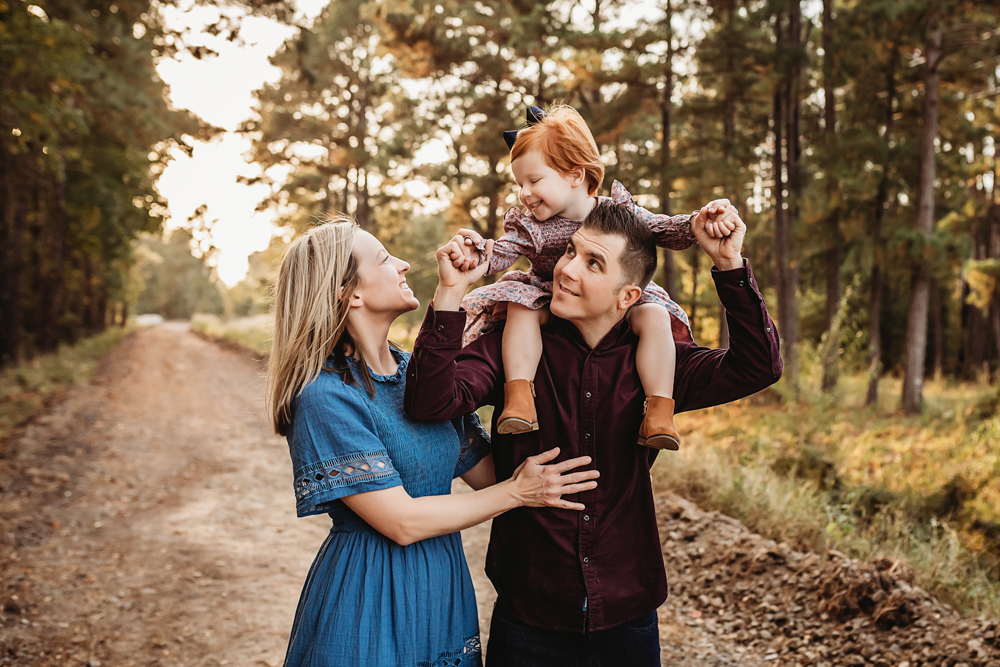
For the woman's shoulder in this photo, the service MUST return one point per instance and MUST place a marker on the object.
(330, 386)
(326, 390)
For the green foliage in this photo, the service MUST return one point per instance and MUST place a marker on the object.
(84, 130)
(828, 473)
(252, 333)
(172, 282)
(26, 388)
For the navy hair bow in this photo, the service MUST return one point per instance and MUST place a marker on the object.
(534, 115)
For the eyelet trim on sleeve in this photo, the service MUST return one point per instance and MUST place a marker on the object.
(466, 656)
(343, 471)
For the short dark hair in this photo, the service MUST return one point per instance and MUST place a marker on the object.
(638, 258)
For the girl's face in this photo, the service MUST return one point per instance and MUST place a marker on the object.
(546, 192)
(382, 287)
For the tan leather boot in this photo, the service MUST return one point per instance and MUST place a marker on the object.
(518, 414)
(657, 430)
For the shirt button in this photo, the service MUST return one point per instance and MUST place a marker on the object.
(742, 283)
(440, 327)
(768, 330)
(586, 560)
(588, 394)
(586, 517)
(586, 436)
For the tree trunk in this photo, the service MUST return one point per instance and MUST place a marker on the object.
(52, 292)
(916, 334)
(728, 140)
(793, 160)
(362, 214)
(834, 243)
(362, 205)
(875, 281)
(785, 154)
(666, 177)
(993, 217)
(13, 253)
(937, 313)
(874, 333)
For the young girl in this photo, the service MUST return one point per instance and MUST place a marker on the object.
(558, 169)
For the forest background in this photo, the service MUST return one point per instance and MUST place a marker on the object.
(858, 140)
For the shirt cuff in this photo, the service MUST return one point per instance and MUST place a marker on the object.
(441, 330)
(737, 287)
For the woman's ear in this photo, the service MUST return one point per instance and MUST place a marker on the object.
(356, 301)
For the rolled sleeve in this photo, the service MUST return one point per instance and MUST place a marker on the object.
(445, 380)
(334, 446)
(475, 443)
(707, 377)
(740, 296)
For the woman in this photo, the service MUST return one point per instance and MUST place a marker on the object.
(390, 585)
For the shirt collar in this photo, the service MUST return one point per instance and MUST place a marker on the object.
(614, 338)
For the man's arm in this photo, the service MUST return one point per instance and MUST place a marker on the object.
(707, 377)
(444, 380)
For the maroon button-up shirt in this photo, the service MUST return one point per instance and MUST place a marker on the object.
(573, 570)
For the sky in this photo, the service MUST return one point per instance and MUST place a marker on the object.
(220, 90)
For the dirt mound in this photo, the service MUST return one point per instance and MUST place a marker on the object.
(793, 608)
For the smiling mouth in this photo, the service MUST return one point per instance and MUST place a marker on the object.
(566, 291)
(535, 205)
(403, 285)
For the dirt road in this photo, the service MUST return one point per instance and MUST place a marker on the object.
(148, 519)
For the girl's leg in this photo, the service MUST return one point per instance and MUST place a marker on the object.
(656, 361)
(522, 351)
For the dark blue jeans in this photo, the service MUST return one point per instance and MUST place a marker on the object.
(632, 644)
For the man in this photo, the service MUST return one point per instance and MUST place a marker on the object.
(582, 588)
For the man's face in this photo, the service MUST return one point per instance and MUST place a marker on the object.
(587, 280)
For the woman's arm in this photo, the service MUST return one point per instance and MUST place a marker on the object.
(406, 520)
(482, 474)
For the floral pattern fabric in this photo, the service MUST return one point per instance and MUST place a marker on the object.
(543, 243)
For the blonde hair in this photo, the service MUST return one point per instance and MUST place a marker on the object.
(312, 297)
(566, 144)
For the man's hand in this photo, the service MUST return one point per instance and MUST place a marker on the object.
(455, 276)
(724, 250)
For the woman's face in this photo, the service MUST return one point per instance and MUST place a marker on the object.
(382, 287)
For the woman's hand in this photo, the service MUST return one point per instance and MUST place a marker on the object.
(535, 484)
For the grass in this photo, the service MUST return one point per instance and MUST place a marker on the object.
(27, 387)
(828, 472)
(253, 333)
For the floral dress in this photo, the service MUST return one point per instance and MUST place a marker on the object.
(543, 243)
(367, 600)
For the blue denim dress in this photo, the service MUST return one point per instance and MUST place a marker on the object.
(367, 600)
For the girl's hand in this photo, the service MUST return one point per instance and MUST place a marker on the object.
(472, 257)
(538, 485)
(721, 218)
(454, 278)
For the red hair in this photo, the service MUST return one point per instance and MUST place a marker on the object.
(566, 144)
